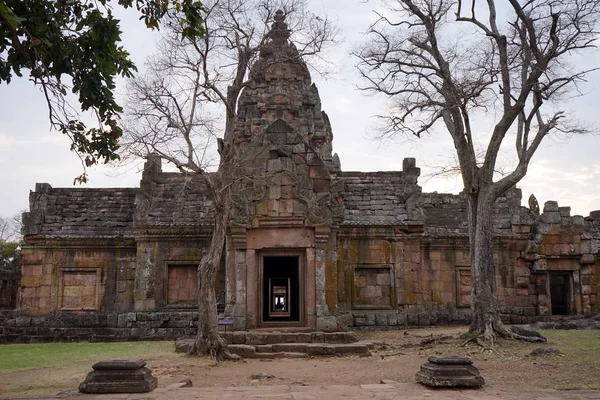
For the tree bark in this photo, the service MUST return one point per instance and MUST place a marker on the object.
(484, 303)
(485, 318)
(208, 341)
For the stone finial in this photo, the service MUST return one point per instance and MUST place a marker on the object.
(534, 205)
(44, 188)
(152, 167)
(279, 33)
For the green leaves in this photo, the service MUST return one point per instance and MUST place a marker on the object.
(80, 39)
(8, 251)
(9, 16)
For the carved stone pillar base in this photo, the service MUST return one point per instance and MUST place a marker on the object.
(449, 371)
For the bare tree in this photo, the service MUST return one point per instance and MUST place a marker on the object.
(10, 228)
(176, 110)
(10, 239)
(447, 63)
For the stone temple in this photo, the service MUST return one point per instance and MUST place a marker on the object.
(308, 245)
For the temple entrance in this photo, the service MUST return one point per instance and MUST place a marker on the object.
(559, 293)
(281, 297)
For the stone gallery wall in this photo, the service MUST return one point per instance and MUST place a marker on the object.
(428, 272)
(62, 326)
(92, 279)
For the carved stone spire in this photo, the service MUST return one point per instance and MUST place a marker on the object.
(284, 141)
(280, 92)
(279, 32)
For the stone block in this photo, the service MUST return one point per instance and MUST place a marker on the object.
(239, 337)
(242, 350)
(586, 259)
(564, 211)
(550, 217)
(551, 206)
(287, 192)
(314, 349)
(412, 319)
(289, 347)
(381, 320)
(351, 348)
(370, 319)
(22, 321)
(119, 376)
(449, 371)
(184, 346)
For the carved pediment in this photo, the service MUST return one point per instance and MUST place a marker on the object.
(279, 126)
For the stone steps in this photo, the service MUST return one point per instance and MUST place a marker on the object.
(289, 344)
(265, 337)
(300, 350)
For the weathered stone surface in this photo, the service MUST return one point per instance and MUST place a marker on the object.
(119, 376)
(450, 360)
(109, 365)
(449, 371)
(545, 351)
(184, 345)
(526, 330)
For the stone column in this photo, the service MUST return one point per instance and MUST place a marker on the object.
(325, 321)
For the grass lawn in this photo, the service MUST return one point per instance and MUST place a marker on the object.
(16, 357)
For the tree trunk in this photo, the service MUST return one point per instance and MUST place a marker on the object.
(208, 341)
(485, 317)
(484, 303)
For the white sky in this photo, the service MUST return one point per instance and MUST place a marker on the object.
(566, 170)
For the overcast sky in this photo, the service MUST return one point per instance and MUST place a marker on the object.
(564, 169)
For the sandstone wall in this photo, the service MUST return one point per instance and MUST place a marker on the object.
(94, 278)
(18, 327)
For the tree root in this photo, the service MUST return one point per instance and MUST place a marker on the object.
(498, 329)
(435, 339)
(216, 349)
(507, 333)
(484, 346)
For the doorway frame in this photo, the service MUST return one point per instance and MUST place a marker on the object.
(301, 255)
(570, 293)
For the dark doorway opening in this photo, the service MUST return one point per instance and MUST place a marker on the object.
(281, 293)
(559, 293)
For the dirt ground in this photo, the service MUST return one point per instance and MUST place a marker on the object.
(397, 356)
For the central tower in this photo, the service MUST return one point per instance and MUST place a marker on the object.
(288, 198)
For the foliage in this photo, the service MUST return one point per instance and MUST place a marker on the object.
(15, 357)
(8, 251)
(9, 239)
(79, 39)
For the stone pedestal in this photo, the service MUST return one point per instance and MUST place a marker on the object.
(449, 371)
(119, 376)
